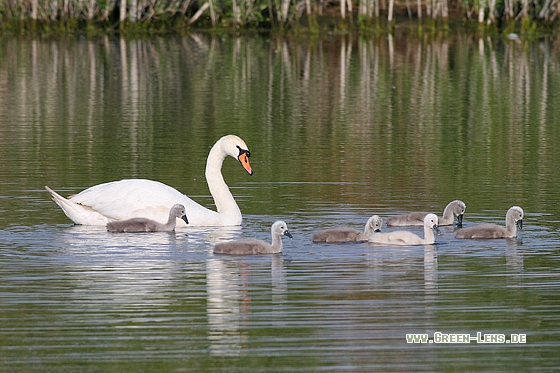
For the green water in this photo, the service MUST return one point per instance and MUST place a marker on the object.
(339, 128)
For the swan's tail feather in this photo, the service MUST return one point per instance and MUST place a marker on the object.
(79, 214)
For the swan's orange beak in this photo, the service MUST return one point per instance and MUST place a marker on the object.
(244, 160)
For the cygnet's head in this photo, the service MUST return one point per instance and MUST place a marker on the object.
(516, 213)
(375, 223)
(431, 221)
(280, 228)
(179, 211)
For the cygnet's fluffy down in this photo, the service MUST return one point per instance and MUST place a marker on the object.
(136, 225)
(409, 238)
(345, 234)
(453, 208)
(254, 246)
(514, 220)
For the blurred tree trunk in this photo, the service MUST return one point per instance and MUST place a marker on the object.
(133, 11)
(199, 12)
(492, 12)
(34, 5)
(122, 11)
(66, 9)
(285, 9)
(543, 14)
(508, 9)
(91, 10)
(236, 13)
(213, 16)
(54, 9)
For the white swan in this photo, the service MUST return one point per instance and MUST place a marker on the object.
(254, 246)
(344, 234)
(409, 238)
(453, 208)
(514, 219)
(148, 225)
(125, 199)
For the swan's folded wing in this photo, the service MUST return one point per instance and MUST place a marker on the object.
(411, 219)
(405, 238)
(244, 247)
(482, 231)
(396, 238)
(336, 235)
(131, 198)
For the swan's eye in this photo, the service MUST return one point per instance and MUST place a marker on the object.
(243, 151)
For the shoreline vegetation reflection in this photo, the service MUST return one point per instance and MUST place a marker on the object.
(508, 17)
(339, 128)
(476, 102)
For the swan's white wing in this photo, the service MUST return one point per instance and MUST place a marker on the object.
(396, 238)
(131, 198)
(404, 238)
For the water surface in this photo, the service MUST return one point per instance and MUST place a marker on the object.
(339, 129)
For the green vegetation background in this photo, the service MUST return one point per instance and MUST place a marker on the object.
(523, 17)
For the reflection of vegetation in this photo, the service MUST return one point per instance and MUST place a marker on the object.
(383, 113)
(313, 15)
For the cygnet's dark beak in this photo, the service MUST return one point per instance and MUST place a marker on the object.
(460, 220)
(520, 224)
(184, 217)
(436, 228)
(287, 233)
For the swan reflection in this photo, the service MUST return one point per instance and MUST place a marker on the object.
(279, 281)
(430, 270)
(229, 302)
(514, 262)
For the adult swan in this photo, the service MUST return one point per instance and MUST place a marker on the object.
(131, 198)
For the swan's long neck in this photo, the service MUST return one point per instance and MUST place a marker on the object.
(171, 221)
(511, 227)
(276, 242)
(447, 215)
(225, 203)
(429, 236)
